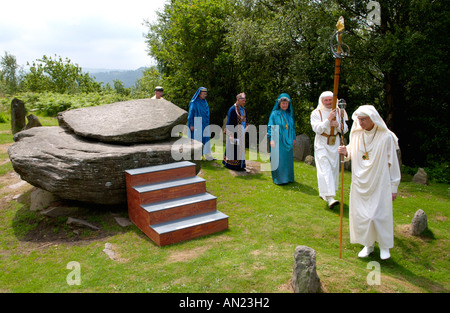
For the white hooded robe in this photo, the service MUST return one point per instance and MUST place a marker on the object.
(373, 181)
(325, 155)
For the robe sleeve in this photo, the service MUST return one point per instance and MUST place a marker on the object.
(349, 154)
(394, 166)
(191, 114)
(317, 125)
(231, 123)
(269, 126)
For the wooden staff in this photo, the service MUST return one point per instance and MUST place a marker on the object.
(337, 68)
(342, 178)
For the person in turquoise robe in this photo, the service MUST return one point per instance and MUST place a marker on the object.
(281, 134)
(198, 121)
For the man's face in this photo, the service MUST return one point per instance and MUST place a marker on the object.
(327, 102)
(203, 95)
(365, 122)
(242, 100)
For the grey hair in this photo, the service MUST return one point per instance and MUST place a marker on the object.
(241, 95)
(283, 99)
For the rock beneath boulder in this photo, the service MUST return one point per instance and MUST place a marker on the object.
(304, 276)
(419, 223)
(81, 223)
(123, 221)
(41, 199)
(74, 168)
(127, 122)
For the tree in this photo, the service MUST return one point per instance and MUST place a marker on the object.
(146, 84)
(9, 77)
(406, 56)
(119, 87)
(59, 76)
(282, 46)
(188, 42)
(265, 47)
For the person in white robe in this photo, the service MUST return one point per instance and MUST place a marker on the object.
(326, 156)
(376, 175)
(158, 93)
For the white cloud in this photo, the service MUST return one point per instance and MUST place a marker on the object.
(93, 34)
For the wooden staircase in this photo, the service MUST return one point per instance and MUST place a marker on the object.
(169, 203)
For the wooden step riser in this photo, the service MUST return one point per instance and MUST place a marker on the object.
(139, 217)
(188, 233)
(160, 176)
(172, 193)
(178, 212)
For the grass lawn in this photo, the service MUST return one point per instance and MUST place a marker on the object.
(256, 254)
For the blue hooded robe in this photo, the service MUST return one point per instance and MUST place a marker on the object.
(198, 108)
(282, 156)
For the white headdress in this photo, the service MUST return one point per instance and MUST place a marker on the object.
(324, 94)
(370, 111)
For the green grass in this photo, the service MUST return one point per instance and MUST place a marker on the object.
(256, 254)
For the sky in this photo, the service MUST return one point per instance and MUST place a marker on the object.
(106, 34)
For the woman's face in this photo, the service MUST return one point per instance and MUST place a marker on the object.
(284, 105)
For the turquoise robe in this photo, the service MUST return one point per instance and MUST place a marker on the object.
(282, 156)
(199, 108)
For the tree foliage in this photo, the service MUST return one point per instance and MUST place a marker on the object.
(58, 75)
(9, 74)
(188, 41)
(266, 47)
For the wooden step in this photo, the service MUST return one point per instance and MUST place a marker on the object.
(188, 228)
(172, 189)
(169, 210)
(159, 173)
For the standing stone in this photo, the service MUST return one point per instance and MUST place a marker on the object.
(419, 223)
(33, 121)
(302, 147)
(310, 160)
(421, 177)
(304, 276)
(17, 115)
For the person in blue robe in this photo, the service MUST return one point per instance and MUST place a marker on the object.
(281, 134)
(198, 121)
(234, 156)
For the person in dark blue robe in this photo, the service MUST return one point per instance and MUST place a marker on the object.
(198, 121)
(234, 156)
(281, 134)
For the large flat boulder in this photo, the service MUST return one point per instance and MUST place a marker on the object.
(76, 168)
(127, 122)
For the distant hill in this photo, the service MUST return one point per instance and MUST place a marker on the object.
(127, 77)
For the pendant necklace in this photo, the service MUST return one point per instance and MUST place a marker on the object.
(285, 120)
(366, 154)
